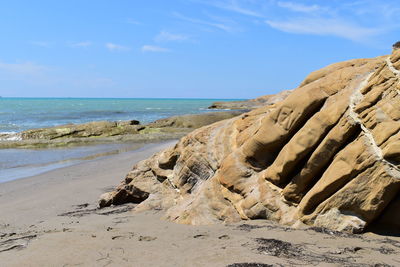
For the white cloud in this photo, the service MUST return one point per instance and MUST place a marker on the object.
(116, 47)
(40, 43)
(82, 44)
(218, 25)
(234, 6)
(322, 26)
(165, 36)
(153, 48)
(24, 68)
(298, 7)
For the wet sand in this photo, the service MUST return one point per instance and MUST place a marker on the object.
(52, 220)
(20, 163)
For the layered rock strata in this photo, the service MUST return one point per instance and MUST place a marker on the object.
(328, 155)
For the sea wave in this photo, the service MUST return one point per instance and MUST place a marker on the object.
(10, 136)
(14, 138)
(159, 108)
(92, 114)
(111, 112)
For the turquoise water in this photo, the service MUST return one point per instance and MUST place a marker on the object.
(18, 114)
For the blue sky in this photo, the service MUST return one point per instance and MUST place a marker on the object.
(183, 48)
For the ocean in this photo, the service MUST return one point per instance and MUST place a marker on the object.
(19, 114)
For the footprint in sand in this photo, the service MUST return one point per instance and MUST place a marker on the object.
(224, 237)
(201, 236)
(130, 235)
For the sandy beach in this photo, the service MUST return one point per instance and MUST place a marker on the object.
(52, 220)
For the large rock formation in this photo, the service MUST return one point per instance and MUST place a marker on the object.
(328, 155)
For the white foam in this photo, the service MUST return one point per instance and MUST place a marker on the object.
(14, 138)
(8, 132)
(10, 136)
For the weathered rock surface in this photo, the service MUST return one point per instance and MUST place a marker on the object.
(258, 102)
(91, 129)
(328, 155)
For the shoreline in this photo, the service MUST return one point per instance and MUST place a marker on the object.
(52, 219)
(104, 172)
(56, 158)
(20, 151)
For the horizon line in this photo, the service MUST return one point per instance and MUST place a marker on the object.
(166, 98)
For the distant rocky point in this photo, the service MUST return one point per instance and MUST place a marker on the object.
(396, 45)
(258, 102)
(327, 155)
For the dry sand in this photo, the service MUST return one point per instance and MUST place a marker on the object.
(52, 220)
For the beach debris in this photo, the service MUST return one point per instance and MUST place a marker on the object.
(299, 253)
(248, 227)
(332, 233)
(277, 248)
(80, 211)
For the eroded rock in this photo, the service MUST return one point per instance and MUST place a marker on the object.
(327, 156)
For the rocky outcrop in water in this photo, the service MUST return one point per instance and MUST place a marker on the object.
(111, 131)
(328, 155)
(258, 102)
(90, 129)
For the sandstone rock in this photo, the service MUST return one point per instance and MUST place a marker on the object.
(193, 121)
(129, 193)
(327, 155)
(90, 129)
(265, 100)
